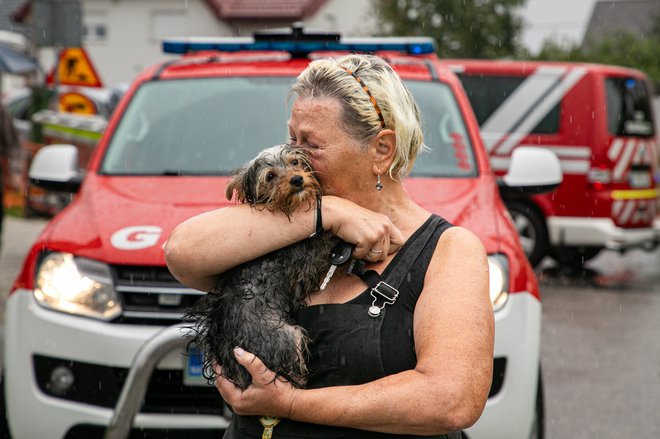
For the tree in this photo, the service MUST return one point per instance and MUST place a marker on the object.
(621, 48)
(462, 28)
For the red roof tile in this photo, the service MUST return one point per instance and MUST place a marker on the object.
(264, 9)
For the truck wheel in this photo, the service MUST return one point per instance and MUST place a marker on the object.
(4, 424)
(532, 232)
(573, 257)
(538, 427)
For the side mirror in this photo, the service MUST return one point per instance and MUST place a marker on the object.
(55, 168)
(533, 170)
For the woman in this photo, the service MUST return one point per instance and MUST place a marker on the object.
(422, 365)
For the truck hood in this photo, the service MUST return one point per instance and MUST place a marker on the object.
(126, 220)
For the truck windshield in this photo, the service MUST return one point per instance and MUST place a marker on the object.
(628, 107)
(211, 126)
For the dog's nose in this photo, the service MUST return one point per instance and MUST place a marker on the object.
(296, 180)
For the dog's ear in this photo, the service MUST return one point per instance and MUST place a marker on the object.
(236, 184)
(244, 182)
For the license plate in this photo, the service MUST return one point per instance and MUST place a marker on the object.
(194, 367)
(640, 179)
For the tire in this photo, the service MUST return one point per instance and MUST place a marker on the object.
(4, 424)
(538, 427)
(530, 225)
(574, 257)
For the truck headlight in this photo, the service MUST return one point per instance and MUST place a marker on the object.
(498, 271)
(76, 285)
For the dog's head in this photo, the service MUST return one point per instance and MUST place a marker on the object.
(280, 177)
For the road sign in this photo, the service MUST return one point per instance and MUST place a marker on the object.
(76, 103)
(75, 68)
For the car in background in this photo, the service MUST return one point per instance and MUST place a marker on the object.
(599, 120)
(95, 288)
(76, 115)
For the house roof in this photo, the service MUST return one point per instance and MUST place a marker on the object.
(610, 16)
(8, 11)
(228, 10)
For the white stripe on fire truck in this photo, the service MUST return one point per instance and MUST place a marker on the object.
(640, 214)
(539, 111)
(649, 153)
(640, 154)
(627, 211)
(520, 102)
(616, 207)
(568, 166)
(615, 149)
(624, 159)
(582, 152)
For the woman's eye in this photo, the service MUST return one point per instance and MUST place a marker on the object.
(270, 176)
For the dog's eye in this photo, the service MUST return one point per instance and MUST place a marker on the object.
(295, 162)
(270, 176)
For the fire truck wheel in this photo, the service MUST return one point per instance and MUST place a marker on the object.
(4, 425)
(538, 427)
(574, 257)
(531, 228)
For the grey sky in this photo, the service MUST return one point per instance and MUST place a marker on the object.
(565, 19)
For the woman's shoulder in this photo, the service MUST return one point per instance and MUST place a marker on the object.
(459, 246)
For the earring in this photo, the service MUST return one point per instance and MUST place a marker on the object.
(379, 186)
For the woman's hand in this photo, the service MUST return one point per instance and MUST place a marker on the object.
(268, 395)
(374, 235)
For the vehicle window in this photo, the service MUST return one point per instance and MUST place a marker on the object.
(487, 93)
(628, 107)
(449, 150)
(198, 126)
(211, 126)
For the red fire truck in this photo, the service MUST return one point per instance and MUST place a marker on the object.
(598, 119)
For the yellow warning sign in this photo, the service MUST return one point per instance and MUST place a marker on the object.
(75, 68)
(76, 103)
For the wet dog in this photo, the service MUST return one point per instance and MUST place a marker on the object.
(252, 304)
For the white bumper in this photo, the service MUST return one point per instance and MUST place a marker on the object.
(510, 413)
(599, 232)
(30, 330)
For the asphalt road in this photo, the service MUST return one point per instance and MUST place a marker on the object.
(600, 346)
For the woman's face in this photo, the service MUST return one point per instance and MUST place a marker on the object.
(342, 163)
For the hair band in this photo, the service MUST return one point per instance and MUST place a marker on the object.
(373, 100)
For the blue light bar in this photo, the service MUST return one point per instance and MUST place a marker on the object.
(409, 45)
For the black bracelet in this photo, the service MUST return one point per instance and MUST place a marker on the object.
(319, 220)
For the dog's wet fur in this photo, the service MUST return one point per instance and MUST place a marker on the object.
(252, 304)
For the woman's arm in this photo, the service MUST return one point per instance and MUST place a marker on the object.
(447, 390)
(211, 243)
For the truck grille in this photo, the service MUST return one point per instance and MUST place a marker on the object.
(151, 295)
(100, 385)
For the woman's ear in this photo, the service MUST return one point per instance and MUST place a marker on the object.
(383, 150)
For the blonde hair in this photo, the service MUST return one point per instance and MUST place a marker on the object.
(338, 79)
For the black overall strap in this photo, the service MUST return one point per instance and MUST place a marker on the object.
(387, 289)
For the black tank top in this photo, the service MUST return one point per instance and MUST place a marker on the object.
(349, 347)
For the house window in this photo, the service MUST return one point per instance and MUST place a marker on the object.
(95, 27)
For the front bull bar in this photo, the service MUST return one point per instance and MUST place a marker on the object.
(135, 387)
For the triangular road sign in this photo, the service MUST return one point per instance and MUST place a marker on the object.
(75, 68)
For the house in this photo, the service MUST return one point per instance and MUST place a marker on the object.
(124, 37)
(609, 16)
